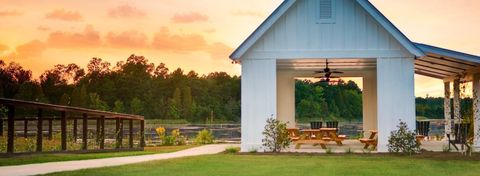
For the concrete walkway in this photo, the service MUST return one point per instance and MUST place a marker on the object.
(44, 168)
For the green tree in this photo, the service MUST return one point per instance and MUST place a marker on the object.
(119, 107)
(187, 103)
(97, 103)
(64, 100)
(136, 106)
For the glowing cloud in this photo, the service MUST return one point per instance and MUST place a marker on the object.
(126, 11)
(88, 38)
(189, 17)
(164, 40)
(62, 14)
(127, 39)
(10, 13)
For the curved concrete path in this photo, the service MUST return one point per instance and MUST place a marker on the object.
(44, 168)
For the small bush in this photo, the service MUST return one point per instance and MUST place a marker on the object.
(328, 151)
(175, 138)
(204, 137)
(276, 135)
(232, 150)
(403, 140)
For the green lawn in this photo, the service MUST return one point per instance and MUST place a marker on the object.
(278, 165)
(42, 158)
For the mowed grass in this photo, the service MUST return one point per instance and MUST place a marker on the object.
(279, 165)
(43, 158)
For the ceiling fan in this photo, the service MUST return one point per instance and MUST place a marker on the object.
(328, 74)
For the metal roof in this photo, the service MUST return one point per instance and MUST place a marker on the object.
(444, 63)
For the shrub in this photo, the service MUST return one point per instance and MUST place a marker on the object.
(169, 140)
(275, 135)
(403, 140)
(232, 150)
(160, 132)
(204, 137)
(175, 138)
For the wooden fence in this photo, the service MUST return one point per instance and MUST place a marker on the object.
(86, 115)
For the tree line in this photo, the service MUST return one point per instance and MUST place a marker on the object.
(133, 86)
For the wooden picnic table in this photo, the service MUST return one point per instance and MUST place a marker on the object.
(320, 136)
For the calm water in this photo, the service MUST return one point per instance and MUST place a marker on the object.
(232, 132)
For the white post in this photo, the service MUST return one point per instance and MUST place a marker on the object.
(395, 96)
(476, 110)
(286, 98)
(369, 95)
(259, 100)
(447, 111)
(456, 100)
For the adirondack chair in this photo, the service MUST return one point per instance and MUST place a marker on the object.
(459, 136)
(423, 128)
(332, 124)
(315, 125)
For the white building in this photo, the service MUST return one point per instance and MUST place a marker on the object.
(298, 37)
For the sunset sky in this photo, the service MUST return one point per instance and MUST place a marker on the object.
(195, 34)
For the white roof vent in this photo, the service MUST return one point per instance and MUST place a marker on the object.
(326, 11)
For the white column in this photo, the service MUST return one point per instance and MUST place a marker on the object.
(286, 98)
(456, 100)
(259, 100)
(395, 96)
(476, 110)
(447, 110)
(369, 102)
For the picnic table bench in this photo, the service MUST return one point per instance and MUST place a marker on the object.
(370, 141)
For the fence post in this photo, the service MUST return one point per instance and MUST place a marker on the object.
(11, 128)
(25, 128)
(50, 129)
(39, 130)
(97, 130)
(102, 132)
(1, 126)
(75, 130)
(142, 133)
(118, 141)
(64, 130)
(84, 131)
(130, 134)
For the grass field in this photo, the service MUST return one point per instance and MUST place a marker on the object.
(279, 165)
(42, 158)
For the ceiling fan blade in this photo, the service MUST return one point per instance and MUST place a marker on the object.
(319, 72)
(335, 77)
(339, 72)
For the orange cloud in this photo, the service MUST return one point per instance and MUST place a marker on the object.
(163, 40)
(219, 51)
(88, 38)
(43, 28)
(127, 39)
(62, 14)
(33, 48)
(3, 48)
(189, 17)
(10, 13)
(248, 13)
(126, 11)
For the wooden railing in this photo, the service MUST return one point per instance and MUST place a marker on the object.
(86, 115)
